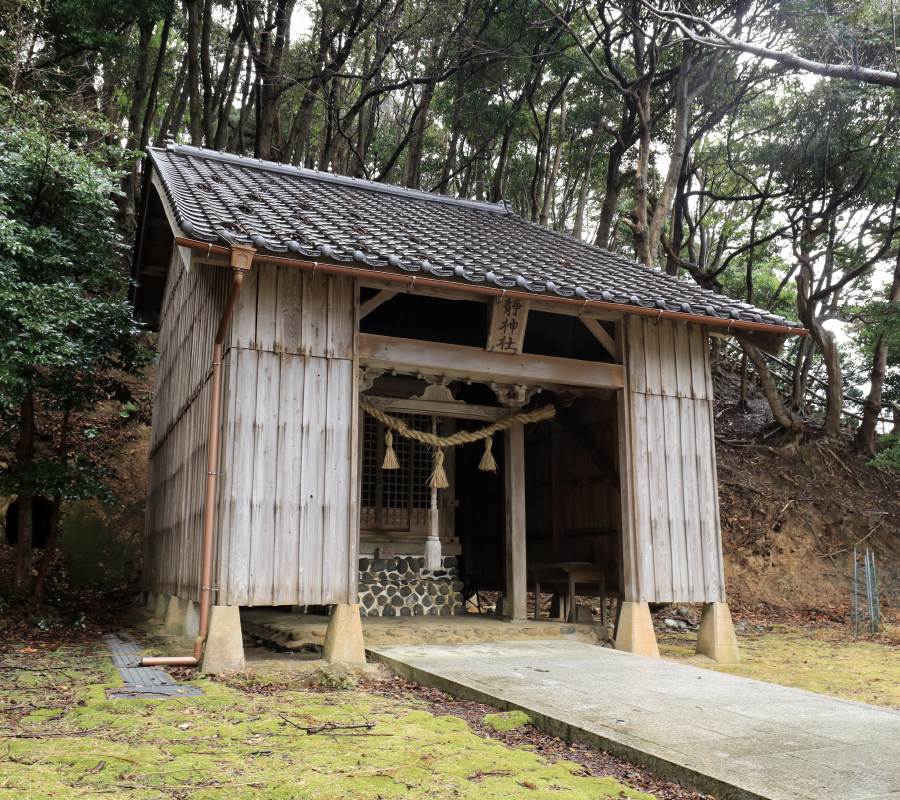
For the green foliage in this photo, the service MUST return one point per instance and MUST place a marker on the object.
(889, 457)
(67, 333)
(94, 553)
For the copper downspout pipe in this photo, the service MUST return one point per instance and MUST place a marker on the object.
(241, 259)
(409, 282)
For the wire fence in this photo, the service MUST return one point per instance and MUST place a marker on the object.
(864, 595)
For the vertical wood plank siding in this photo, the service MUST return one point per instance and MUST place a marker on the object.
(285, 513)
(673, 547)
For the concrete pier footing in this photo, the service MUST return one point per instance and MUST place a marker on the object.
(224, 650)
(716, 638)
(635, 632)
(344, 636)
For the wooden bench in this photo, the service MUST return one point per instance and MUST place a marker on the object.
(563, 578)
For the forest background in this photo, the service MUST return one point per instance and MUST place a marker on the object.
(750, 147)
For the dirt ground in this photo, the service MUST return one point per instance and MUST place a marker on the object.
(276, 731)
(247, 735)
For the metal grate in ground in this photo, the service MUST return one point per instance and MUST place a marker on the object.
(141, 681)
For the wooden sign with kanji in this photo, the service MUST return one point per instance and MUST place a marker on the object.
(506, 330)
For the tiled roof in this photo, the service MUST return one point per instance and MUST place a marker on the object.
(286, 209)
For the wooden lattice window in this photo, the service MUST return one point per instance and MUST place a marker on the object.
(395, 499)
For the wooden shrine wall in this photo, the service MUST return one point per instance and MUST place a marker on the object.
(672, 542)
(179, 433)
(572, 505)
(286, 517)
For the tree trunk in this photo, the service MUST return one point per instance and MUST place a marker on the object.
(450, 162)
(683, 101)
(639, 228)
(153, 93)
(270, 81)
(412, 167)
(578, 225)
(743, 405)
(25, 499)
(50, 544)
(611, 196)
(221, 139)
(554, 170)
(206, 72)
(194, 72)
(128, 200)
(865, 436)
(676, 230)
(179, 91)
(783, 415)
(247, 98)
(834, 391)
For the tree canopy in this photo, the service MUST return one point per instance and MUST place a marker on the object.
(751, 147)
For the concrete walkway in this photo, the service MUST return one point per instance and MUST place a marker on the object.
(724, 735)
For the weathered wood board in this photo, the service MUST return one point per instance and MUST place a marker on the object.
(672, 549)
(284, 517)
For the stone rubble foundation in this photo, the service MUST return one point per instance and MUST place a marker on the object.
(401, 587)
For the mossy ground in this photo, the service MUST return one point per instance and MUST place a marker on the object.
(828, 661)
(237, 741)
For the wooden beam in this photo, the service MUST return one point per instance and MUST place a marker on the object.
(538, 304)
(374, 302)
(515, 604)
(444, 294)
(472, 363)
(600, 334)
(455, 410)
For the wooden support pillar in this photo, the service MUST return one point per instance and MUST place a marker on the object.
(515, 606)
(558, 509)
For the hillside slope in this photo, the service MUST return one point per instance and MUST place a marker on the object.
(791, 516)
